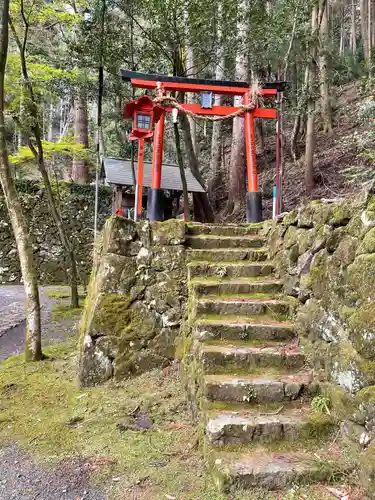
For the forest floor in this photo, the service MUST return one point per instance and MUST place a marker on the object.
(337, 157)
(339, 167)
(122, 441)
(57, 319)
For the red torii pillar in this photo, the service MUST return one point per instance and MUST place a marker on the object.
(155, 200)
(253, 196)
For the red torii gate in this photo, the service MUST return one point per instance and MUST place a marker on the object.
(162, 84)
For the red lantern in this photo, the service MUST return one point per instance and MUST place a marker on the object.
(144, 113)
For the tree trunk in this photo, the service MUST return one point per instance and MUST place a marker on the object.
(310, 133)
(342, 31)
(259, 129)
(80, 171)
(200, 199)
(39, 158)
(299, 118)
(237, 177)
(33, 349)
(324, 63)
(370, 9)
(50, 123)
(182, 171)
(353, 29)
(364, 22)
(189, 96)
(217, 126)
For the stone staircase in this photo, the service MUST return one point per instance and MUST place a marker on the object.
(260, 430)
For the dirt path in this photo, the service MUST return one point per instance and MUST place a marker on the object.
(22, 479)
(12, 320)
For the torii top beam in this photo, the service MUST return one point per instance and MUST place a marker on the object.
(182, 84)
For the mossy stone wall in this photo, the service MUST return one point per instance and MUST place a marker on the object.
(76, 203)
(325, 255)
(136, 300)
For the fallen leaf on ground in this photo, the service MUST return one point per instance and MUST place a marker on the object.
(337, 493)
(175, 427)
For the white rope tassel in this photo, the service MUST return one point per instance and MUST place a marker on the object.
(174, 115)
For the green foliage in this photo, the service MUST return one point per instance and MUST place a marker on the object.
(68, 147)
(347, 67)
(321, 404)
(366, 110)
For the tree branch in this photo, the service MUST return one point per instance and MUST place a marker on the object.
(286, 59)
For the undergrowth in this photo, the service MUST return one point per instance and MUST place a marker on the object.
(51, 418)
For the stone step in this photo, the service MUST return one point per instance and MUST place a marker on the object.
(224, 230)
(257, 426)
(241, 306)
(271, 389)
(237, 328)
(230, 270)
(235, 286)
(211, 241)
(227, 255)
(219, 357)
(271, 470)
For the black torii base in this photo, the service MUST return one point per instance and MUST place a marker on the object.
(254, 206)
(155, 204)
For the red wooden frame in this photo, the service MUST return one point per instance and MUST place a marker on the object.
(168, 84)
(193, 87)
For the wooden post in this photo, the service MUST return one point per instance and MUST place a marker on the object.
(253, 197)
(155, 202)
(139, 186)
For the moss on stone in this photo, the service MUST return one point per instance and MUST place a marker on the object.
(334, 239)
(111, 316)
(367, 470)
(365, 395)
(307, 319)
(341, 402)
(169, 232)
(305, 216)
(321, 213)
(318, 272)
(355, 226)
(341, 214)
(362, 325)
(368, 243)
(290, 237)
(305, 239)
(118, 233)
(345, 251)
(360, 276)
(348, 369)
(290, 218)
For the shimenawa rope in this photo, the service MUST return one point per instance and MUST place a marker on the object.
(172, 102)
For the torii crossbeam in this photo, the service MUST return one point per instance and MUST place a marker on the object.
(162, 84)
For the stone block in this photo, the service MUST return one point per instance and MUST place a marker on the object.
(170, 232)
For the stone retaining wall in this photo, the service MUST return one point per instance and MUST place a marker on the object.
(136, 300)
(325, 255)
(76, 203)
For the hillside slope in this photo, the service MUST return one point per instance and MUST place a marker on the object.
(340, 169)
